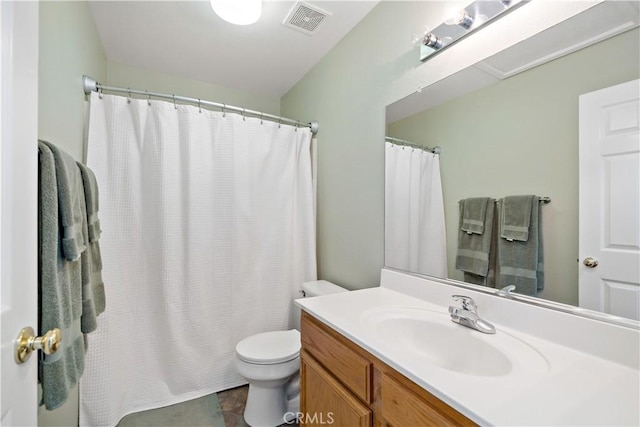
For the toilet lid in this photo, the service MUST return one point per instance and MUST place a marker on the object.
(268, 348)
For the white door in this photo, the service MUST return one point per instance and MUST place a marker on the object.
(610, 200)
(18, 206)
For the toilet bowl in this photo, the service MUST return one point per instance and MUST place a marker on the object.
(270, 362)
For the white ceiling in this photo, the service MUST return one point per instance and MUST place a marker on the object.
(186, 39)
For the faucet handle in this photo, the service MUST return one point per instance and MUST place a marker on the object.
(507, 290)
(467, 303)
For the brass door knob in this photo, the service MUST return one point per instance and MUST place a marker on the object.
(27, 342)
(590, 262)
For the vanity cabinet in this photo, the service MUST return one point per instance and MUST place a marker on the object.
(344, 385)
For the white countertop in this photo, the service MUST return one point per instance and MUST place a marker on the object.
(576, 386)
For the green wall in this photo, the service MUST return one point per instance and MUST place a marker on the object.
(520, 136)
(346, 93)
(69, 47)
(126, 76)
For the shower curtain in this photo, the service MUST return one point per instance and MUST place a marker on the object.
(208, 232)
(415, 238)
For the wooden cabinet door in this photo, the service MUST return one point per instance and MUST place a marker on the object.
(324, 401)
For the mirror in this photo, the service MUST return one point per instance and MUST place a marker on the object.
(509, 126)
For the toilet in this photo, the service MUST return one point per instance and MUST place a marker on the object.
(270, 362)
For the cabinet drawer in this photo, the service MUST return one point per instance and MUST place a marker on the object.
(402, 407)
(335, 353)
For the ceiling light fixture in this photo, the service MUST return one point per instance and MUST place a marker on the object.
(238, 12)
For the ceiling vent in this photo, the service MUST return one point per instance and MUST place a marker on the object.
(305, 18)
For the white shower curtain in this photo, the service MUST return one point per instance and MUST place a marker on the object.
(208, 233)
(415, 238)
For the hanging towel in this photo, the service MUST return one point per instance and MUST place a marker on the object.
(473, 255)
(515, 217)
(60, 289)
(93, 296)
(91, 198)
(69, 184)
(520, 262)
(473, 214)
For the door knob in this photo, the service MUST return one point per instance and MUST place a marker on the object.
(590, 262)
(27, 342)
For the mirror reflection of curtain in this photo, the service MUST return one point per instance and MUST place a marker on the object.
(415, 237)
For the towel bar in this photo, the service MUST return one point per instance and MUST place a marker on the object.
(543, 199)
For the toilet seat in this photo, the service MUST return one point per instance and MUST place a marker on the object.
(269, 348)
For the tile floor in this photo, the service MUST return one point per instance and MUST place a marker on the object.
(202, 412)
(232, 406)
(223, 409)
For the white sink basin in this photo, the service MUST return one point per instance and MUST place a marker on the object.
(436, 340)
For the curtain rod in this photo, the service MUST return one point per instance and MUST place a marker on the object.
(435, 150)
(91, 85)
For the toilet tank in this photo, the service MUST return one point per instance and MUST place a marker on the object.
(315, 288)
(320, 287)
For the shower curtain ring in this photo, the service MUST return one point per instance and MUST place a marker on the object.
(128, 95)
(261, 116)
(297, 124)
(148, 98)
(199, 106)
(174, 101)
(100, 92)
(244, 110)
(279, 122)
(224, 113)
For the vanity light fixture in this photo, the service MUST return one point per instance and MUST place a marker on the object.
(473, 17)
(463, 19)
(432, 41)
(238, 12)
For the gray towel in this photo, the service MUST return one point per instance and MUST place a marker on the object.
(69, 184)
(60, 289)
(93, 297)
(473, 214)
(91, 198)
(520, 263)
(515, 217)
(473, 255)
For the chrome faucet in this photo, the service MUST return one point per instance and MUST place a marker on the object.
(467, 315)
(506, 291)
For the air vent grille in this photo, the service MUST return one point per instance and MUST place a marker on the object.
(305, 18)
